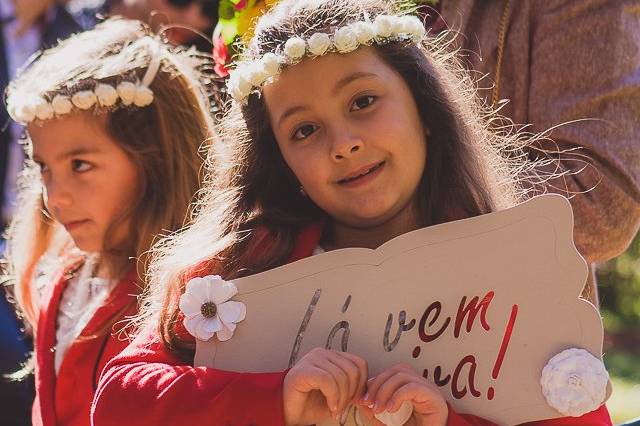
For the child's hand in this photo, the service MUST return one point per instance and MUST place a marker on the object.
(322, 385)
(388, 390)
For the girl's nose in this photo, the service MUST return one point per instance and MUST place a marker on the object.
(56, 195)
(345, 146)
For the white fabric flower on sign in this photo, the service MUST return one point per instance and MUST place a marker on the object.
(208, 310)
(574, 382)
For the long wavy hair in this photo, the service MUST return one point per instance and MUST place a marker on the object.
(163, 140)
(251, 209)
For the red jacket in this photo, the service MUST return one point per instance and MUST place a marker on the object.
(66, 399)
(148, 385)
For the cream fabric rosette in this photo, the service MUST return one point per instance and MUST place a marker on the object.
(106, 94)
(61, 104)
(574, 382)
(319, 43)
(295, 48)
(253, 74)
(84, 99)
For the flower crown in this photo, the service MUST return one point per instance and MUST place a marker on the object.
(24, 110)
(250, 76)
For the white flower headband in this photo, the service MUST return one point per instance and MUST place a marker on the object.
(252, 75)
(27, 109)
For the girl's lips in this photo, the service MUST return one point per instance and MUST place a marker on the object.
(70, 226)
(368, 174)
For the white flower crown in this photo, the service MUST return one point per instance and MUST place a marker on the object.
(24, 110)
(250, 76)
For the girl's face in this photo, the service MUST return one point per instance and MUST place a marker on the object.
(349, 128)
(89, 181)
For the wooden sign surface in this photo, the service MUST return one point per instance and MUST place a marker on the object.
(478, 306)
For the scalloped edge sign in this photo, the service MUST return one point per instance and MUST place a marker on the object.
(478, 306)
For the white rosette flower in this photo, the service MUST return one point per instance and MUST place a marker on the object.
(256, 74)
(295, 48)
(319, 43)
(208, 310)
(271, 64)
(61, 104)
(574, 382)
(413, 27)
(143, 96)
(107, 95)
(239, 85)
(127, 92)
(345, 40)
(365, 32)
(84, 99)
(382, 25)
(43, 109)
(25, 112)
(396, 25)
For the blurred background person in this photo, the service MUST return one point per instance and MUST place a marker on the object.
(565, 61)
(187, 17)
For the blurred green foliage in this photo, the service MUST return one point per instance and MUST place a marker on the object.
(619, 289)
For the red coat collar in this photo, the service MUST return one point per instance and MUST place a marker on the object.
(44, 409)
(306, 242)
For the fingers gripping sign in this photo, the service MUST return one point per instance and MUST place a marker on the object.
(322, 385)
(391, 395)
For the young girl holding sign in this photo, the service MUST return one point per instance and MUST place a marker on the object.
(115, 119)
(348, 128)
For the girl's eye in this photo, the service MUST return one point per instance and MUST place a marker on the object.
(304, 131)
(363, 102)
(80, 166)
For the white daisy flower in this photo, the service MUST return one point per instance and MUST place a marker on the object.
(208, 310)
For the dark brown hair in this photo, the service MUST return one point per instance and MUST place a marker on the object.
(163, 140)
(252, 198)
